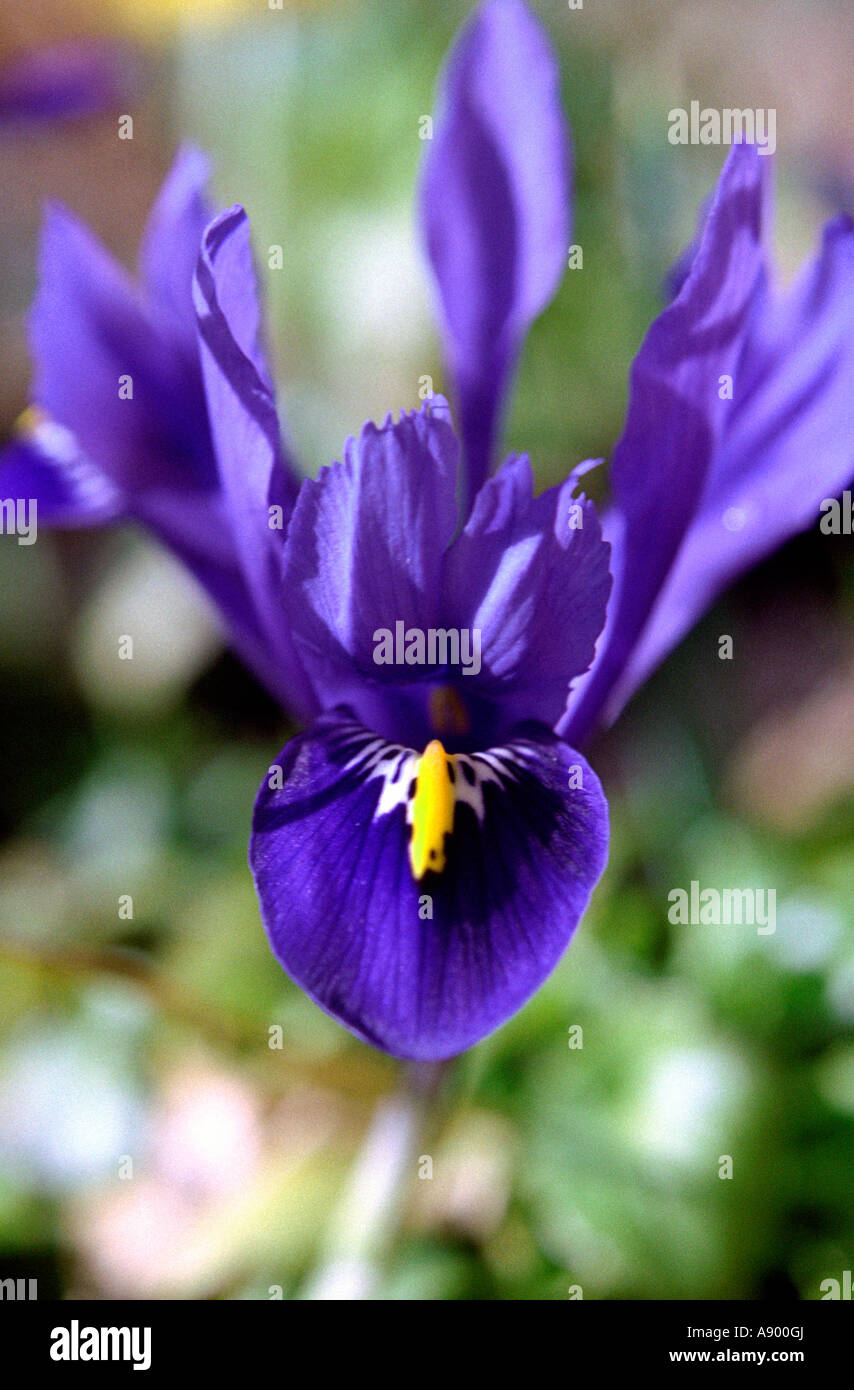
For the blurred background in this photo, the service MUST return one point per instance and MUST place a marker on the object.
(152, 1143)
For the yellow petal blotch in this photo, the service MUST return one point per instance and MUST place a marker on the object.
(432, 811)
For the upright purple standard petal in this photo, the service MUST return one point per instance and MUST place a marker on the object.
(532, 575)
(424, 968)
(495, 209)
(257, 483)
(675, 418)
(787, 446)
(370, 564)
(172, 239)
(365, 551)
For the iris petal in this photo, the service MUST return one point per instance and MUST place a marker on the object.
(532, 574)
(121, 428)
(365, 549)
(44, 462)
(173, 235)
(424, 968)
(675, 417)
(495, 209)
(91, 334)
(789, 445)
(258, 486)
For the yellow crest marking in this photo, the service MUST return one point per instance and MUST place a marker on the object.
(432, 811)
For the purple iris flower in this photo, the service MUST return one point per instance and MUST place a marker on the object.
(424, 850)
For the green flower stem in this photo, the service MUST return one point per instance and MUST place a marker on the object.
(364, 1225)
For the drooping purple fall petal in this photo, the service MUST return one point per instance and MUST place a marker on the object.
(424, 969)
